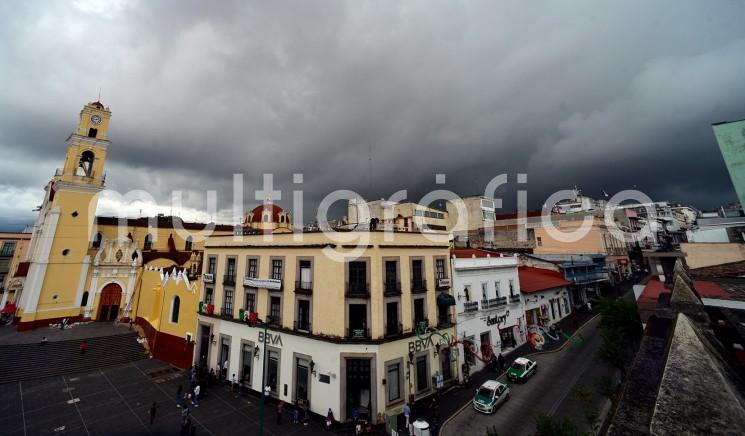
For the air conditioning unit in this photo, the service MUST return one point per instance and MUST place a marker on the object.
(209, 278)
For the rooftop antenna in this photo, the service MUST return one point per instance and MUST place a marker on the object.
(99, 94)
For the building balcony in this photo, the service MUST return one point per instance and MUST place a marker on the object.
(208, 278)
(303, 287)
(470, 306)
(358, 333)
(514, 298)
(443, 284)
(228, 280)
(493, 303)
(391, 289)
(304, 327)
(226, 313)
(394, 330)
(357, 290)
(445, 320)
(418, 286)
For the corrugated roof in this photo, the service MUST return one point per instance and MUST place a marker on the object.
(538, 279)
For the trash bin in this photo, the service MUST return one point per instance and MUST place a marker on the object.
(421, 428)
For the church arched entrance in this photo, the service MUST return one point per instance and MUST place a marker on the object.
(108, 306)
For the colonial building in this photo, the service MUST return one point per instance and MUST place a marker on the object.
(490, 315)
(13, 251)
(361, 325)
(392, 215)
(545, 296)
(83, 267)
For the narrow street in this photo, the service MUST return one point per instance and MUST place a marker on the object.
(549, 390)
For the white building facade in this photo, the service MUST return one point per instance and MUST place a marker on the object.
(490, 315)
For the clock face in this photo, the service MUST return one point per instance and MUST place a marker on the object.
(95, 119)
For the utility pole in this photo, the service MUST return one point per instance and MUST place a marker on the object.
(263, 382)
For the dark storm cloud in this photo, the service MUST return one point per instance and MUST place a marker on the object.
(376, 96)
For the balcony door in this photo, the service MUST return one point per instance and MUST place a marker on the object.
(358, 320)
(391, 318)
(357, 276)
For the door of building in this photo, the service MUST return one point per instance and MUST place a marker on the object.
(301, 379)
(204, 345)
(108, 306)
(358, 386)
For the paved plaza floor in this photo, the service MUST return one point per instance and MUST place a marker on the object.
(115, 401)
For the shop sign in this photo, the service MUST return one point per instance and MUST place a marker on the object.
(497, 319)
(270, 339)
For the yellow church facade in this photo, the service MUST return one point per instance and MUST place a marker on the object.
(82, 267)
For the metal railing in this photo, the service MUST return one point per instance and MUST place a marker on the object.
(418, 285)
(491, 303)
(358, 290)
(228, 279)
(391, 288)
(515, 298)
(394, 329)
(470, 306)
(303, 287)
(445, 320)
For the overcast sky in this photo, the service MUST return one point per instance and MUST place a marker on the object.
(374, 96)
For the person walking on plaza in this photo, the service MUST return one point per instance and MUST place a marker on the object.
(500, 361)
(83, 347)
(151, 412)
(280, 409)
(407, 413)
(179, 393)
(195, 397)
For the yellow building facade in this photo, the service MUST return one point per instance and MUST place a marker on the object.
(363, 325)
(82, 267)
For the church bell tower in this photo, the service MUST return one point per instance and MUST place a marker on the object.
(59, 249)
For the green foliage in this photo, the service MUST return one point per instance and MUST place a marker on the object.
(547, 426)
(491, 430)
(604, 385)
(582, 394)
(591, 415)
(620, 331)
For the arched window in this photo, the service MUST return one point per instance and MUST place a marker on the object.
(175, 308)
(188, 244)
(97, 240)
(148, 242)
(84, 300)
(266, 217)
(85, 165)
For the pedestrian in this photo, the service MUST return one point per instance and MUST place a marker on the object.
(329, 419)
(233, 383)
(589, 306)
(83, 347)
(43, 340)
(296, 415)
(195, 397)
(151, 412)
(179, 393)
(500, 360)
(280, 408)
(407, 413)
(267, 391)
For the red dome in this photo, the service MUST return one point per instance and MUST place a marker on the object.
(257, 212)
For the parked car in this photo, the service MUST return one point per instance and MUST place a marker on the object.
(522, 369)
(490, 395)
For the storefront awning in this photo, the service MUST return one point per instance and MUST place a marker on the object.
(445, 299)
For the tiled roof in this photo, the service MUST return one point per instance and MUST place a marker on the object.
(538, 279)
(731, 269)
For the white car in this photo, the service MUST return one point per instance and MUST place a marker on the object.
(490, 395)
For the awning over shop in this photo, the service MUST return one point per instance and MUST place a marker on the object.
(445, 299)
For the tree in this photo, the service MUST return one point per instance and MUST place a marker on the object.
(547, 426)
(620, 331)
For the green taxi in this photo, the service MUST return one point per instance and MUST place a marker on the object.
(522, 369)
(490, 395)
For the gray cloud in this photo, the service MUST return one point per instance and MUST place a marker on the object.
(603, 96)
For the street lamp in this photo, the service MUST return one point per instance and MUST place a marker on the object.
(264, 324)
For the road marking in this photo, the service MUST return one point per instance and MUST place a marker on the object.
(74, 379)
(77, 409)
(23, 411)
(125, 401)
